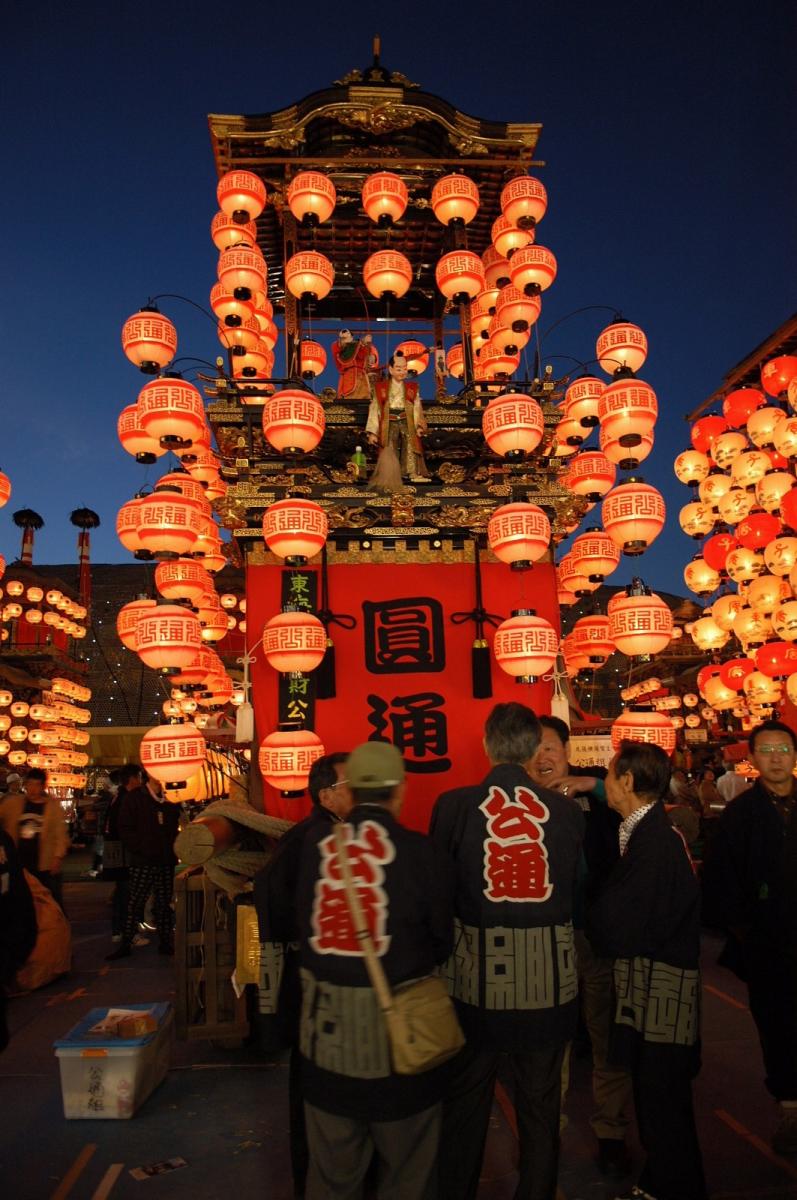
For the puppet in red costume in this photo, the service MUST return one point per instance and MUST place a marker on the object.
(396, 424)
(354, 360)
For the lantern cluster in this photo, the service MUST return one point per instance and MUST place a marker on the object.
(48, 731)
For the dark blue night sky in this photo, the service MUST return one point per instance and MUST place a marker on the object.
(668, 133)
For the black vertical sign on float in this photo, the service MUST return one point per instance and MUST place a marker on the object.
(296, 694)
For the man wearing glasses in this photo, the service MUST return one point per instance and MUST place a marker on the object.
(749, 891)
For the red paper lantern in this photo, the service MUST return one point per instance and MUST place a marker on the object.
(311, 197)
(633, 516)
(169, 523)
(385, 198)
(582, 400)
(776, 660)
(644, 726)
(187, 485)
(460, 275)
(497, 364)
(621, 348)
(226, 232)
(519, 534)
(387, 274)
(740, 404)
(214, 626)
(229, 310)
(592, 636)
(524, 201)
(572, 576)
(242, 271)
(777, 374)
(507, 238)
(482, 311)
(293, 421)
(416, 354)
(127, 620)
(639, 624)
(717, 549)
(532, 269)
(173, 753)
(312, 358)
(576, 658)
(455, 361)
(734, 672)
(514, 308)
(294, 641)
(241, 195)
(757, 530)
(590, 474)
(167, 636)
(203, 468)
(5, 489)
(286, 756)
(135, 441)
(127, 522)
(171, 410)
(240, 338)
(705, 431)
(513, 425)
(627, 411)
(624, 456)
(295, 529)
(595, 554)
(182, 579)
(205, 663)
(525, 646)
(149, 340)
(309, 275)
(496, 268)
(455, 200)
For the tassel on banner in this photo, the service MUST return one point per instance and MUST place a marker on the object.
(481, 670)
(325, 676)
(480, 664)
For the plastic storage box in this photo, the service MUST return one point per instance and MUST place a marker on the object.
(110, 1078)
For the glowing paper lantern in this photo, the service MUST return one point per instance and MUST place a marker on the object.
(167, 636)
(777, 374)
(241, 195)
(739, 405)
(293, 421)
(295, 529)
(173, 753)
(761, 426)
(135, 441)
(241, 271)
(705, 431)
(592, 636)
(525, 646)
(169, 523)
(455, 364)
(766, 592)
(758, 530)
(127, 522)
(460, 275)
(734, 672)
(513, 425)
(784, 621)
(707, 634)
(312, 358)
(776, 660)
(127, 620)
(416, 354)
(149, 340)
(633, 516)
(286, 756)
(532, 269)
(5, 489)
(751, 627)
(573, 577)
(519, 534)
(387, 274)
(229, 309)
(309, 275)
(171, 410)
(692, 466)
(590, 474)
(507, 238)
(455, 200)
(727, 446)
(771, 488)
(747, 468)
(385, 197)
(294, 641)
(311, 197)
(734, 504)
(700, 578)
(639, 624)
(644, 726)
(713, 488)
(225, 232)
(621, 347)
(627, 410)
(743, 564)
(524, 201)
(762, 689)
(595, 554)
(582, 400)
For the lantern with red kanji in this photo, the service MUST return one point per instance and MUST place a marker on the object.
(780, 555)
(225, 232)
(784, 620)
(573, 577)
(621, 348)
(127, 522)
(692, 466)
(532, 269)
(127, 620)
(513, 307)
(173, 753)
(525, 646)
(460, 275)
(385, 197)
(455, 200)
(311, 198)
(582, 400)
(293, 421)
(417, 356)
(187, 485)
(518, 534)
(229, 310)
(591, 475)
(312, 358)
(482, 311)
(707, 634)
(765, 593)
(639, 624)
(644, 725)
(762, 689)
(627, 457)
(182, 579)
(241, 195)
(762, 424)
(294, 642)
(633, 516)
(524, 201)
(595, 554)
(696, 519)
(733, 503)
(387, 274)
(455, 361)
(777, 374)
(5, 489)
(171, 411)
(513, 425)
(149, 340)
(740, 404)
(167, 636)
(496, 268)
(771, 488)
(134, 439)
(242, 271)
(286, 756)
(507, 238)
(700, 578)
(592, 636)
(750, 466)
(295, 529)
(309, 275)
(575, 657)
(169, 522)
(705, 431)
(627, 410)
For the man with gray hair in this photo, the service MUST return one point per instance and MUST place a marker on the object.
(516, 849)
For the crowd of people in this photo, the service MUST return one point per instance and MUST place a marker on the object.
(543, 893)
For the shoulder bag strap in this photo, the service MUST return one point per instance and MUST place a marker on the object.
(375, 972)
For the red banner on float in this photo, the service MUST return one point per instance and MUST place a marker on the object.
(403, 672)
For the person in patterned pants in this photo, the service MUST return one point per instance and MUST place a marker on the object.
(148, 825)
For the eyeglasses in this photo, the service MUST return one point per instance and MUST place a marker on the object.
(784, 748)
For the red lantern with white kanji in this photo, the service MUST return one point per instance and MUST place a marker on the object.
(171, 410)
(460, 275)
(524, 201)
(777, 374)
(590, 474)
(758, 530)
(169, 523)
(385, 198)
(633, 516)
(311, 197)
(127, 620)
(455, 200)
(241, 195)
(595, 554)
(242, 271)
(286, 756)
(295, 529)
(294, 641)
(173, 753)
(293, 421)
(525, 646)
(644, 726)
(513, 425)
(387, 274)
(312, 358)
(309, 275)
(621, 347)
(639, 624)
(519, 534)
(167, 636)
(532, 269)
(149, 340)
(705, 431)
(777, 660)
